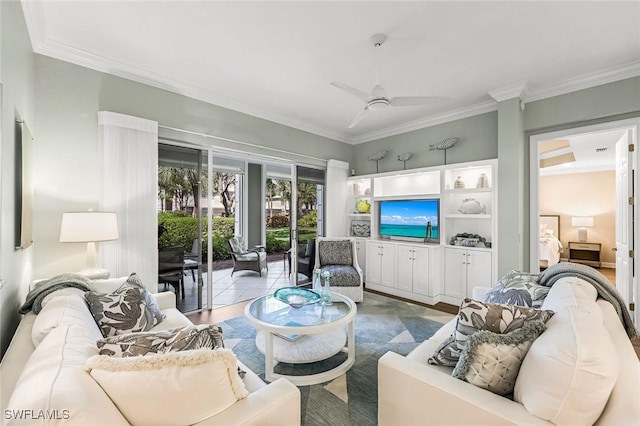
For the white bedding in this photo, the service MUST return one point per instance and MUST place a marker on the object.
(550, 249)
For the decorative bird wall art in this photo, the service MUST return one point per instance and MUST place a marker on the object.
(444, 146)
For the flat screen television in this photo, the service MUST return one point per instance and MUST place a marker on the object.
(410, 219)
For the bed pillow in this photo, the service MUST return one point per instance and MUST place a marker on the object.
(491, 361)
(475, 316)
(131, 308)
(179, 388)
(518, 288)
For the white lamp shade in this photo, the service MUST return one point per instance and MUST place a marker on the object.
(84, 227)
(582, 221)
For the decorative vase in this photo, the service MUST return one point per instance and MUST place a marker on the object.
(363, 206)
(483, 181)
(459, 183)
(326, 289)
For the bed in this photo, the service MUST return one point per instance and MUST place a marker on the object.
(550, 245)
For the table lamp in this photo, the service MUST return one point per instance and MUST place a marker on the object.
(582, 222)
(89, 227)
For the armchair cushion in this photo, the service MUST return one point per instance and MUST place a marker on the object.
(236, 245)
(343, 276)
(335, 252)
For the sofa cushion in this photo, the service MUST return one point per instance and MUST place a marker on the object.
(55, 382)
(335, 252)
(570, 370)
(474, 316)
(175, 340)
(180, 388)
(491, 361)
(342, 275)
(518, 288)
(63, 310)
(570, 291)
(107, 285)
(130, 308)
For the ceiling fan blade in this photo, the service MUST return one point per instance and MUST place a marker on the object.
(415, 100)
(359, 117)
(359, 93)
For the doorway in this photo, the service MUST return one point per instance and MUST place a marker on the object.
(585, 177)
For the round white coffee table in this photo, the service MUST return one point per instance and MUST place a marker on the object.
(308, 334)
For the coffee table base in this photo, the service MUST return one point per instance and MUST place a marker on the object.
(306, 349)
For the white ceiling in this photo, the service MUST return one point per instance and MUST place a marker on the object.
(275, 59)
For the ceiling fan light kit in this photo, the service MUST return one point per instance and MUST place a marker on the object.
(377, 99)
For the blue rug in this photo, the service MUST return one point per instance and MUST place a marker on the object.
(382, 324)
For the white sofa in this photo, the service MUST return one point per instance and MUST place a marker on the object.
(73, 389)
(411, 392)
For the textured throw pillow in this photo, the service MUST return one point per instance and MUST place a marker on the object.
(175, 340)
(475, 316)
(179, 388)
(491, 361)
(129, 309)
(518, 288)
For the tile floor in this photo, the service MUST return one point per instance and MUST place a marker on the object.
(228, 290)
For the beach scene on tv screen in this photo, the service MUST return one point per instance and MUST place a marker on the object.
(409, 218)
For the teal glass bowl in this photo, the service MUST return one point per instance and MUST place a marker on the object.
(296, 297)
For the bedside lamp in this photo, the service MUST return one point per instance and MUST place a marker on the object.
(582, 222)
(89, 227)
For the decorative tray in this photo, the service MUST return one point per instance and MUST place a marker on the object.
(296, 297)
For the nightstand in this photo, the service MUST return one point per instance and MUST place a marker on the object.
(585, 253)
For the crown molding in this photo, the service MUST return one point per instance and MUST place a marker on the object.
(422, 123)
(520, 90)
(585, 81)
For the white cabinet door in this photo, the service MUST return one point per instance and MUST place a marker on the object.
(421, 268)
(388, 264)
(455, 272)
(405, 268)
(373, 263)
(478, 270)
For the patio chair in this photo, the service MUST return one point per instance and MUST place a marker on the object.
(191, 260)
(338, 257)
(171, 268)
(247, 260)
(306, 258)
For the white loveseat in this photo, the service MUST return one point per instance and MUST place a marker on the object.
(550, 383)
(56, 383)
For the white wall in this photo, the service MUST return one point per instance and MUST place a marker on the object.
(17, 97)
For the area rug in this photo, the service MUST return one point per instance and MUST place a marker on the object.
(382, 324)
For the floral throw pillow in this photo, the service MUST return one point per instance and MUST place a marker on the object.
(518, 288)
(475, 316)
(131, 308)
(159, 342)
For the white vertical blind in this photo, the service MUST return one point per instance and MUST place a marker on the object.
(128, 158)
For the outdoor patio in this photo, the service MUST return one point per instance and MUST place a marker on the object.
(227, 290)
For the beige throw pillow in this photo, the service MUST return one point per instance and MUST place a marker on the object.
(173, 389)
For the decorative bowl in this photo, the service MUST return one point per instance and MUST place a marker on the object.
(467, 242)
(296, 297)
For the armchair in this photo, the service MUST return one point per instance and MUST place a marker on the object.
(247, 260)
(338, 257)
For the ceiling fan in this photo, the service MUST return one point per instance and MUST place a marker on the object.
(378, 100)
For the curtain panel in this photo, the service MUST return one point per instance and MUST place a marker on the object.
(128, 159)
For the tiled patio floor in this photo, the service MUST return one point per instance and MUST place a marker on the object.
(244, 285)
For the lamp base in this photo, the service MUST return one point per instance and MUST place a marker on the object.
(582, 235)
(95, 273)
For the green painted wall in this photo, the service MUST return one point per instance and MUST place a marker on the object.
(478, 141)
(18, 99)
